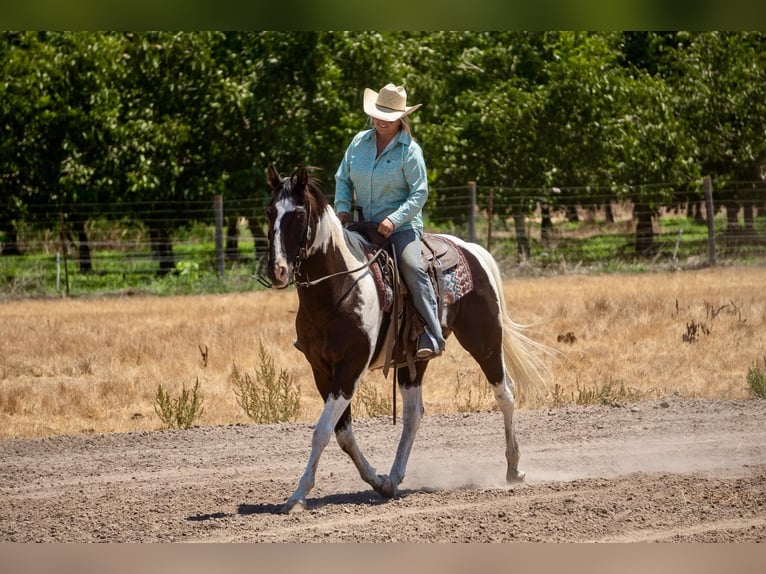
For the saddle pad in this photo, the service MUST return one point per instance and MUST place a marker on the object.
(458, 280)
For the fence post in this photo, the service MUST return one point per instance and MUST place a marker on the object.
(218, 206)
(707, 188)
(472, 213)
(65, 250)
(490, 215)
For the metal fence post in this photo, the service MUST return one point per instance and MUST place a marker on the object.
(490, 215)
(707, 188)
(218, 206)
(472, 213)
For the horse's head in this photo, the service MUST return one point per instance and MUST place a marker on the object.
(292, 214)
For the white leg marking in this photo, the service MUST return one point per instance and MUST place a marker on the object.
(412, 413)
(333, 409)
(507, 404)
(347, 442)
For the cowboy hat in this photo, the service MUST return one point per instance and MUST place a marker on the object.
(389, 104)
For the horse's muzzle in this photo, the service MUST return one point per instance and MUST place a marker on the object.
(279, 274)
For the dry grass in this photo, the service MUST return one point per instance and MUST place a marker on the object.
(73, 366)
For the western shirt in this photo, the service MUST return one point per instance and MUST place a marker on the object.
(393, 185)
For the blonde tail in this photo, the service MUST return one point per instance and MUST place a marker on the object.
(523, 360)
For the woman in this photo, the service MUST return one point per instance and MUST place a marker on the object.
(384, 173)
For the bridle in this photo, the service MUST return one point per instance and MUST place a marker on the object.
(303, 255)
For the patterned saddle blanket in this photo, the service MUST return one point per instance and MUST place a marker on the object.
(442, 259)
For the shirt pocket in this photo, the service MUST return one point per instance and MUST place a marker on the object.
(389, 175)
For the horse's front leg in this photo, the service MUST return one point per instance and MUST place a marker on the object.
(412, 413)
(347, 441)
(334, 408)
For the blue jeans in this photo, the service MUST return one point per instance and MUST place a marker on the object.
(406, 244)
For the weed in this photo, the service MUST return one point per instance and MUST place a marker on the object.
(693, 331)
(374, 402)
(179, 412)
(756, 381)
(557, 396)
(466, 401)
(606, 394)
(268, 396)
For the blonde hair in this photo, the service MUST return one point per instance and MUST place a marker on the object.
(406, 125)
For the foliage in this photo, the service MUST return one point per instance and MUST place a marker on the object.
(374, 403)
(142, 119)
(756, 381)
(605, 394)
(469, 398)
(179, 412)
(267, 396)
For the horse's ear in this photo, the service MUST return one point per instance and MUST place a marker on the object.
(273, 177)
(302, 175)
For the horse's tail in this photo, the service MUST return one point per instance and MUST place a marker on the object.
(522, 354)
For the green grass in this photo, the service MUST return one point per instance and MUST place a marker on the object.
(120, 272)
(593, 246)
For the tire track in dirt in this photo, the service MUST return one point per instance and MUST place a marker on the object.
(689, 533)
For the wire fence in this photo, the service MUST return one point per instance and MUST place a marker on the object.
(218, 245)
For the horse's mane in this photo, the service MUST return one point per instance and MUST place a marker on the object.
(358, 244)
(314, 189)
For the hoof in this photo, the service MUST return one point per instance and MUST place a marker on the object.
(294, 506)
(387, 489)
(515, 476)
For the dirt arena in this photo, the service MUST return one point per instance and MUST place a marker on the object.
(667, 470)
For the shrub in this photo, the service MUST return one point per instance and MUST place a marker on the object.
(467, 401)
(756, 380)
(179, 412)
(267, 396)
(374, 402)
(606, 394)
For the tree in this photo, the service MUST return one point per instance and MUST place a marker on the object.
(179, 120)
(719, 79)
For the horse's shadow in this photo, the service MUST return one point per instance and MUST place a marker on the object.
(364, 498)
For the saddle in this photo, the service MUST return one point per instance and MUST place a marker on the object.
(450, 276)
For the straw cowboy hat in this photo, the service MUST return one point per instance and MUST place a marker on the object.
(389, 104)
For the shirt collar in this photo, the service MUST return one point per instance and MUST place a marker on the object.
(401, 137)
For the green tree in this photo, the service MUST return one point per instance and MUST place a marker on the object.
(179, 120)
(719, 79)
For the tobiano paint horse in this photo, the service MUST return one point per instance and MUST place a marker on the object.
(340, 326)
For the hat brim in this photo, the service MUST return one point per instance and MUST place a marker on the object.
(381, 113)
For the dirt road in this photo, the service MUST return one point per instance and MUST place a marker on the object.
(663, 470)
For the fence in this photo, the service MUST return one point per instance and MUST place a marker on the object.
(224, 248)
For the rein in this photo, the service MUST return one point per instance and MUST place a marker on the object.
(347, 272)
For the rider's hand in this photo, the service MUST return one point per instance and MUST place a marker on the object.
(385, 227)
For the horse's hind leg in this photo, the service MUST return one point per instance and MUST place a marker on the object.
(493, 366)
(506, 402)
(488, 352)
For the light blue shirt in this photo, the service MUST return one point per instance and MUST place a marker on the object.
(393, 185)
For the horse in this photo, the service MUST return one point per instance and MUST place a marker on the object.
(340, 327)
